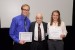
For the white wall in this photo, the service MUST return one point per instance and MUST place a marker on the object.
(11, 8)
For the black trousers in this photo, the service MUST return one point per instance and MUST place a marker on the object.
(55, 45)
(18, 46)
(36, 45)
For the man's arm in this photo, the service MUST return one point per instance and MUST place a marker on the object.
(12, 30)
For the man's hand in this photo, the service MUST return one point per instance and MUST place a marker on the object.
(22, 42)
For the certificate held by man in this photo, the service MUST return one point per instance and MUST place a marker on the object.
(26, 36)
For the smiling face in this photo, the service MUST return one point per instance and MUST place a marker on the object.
(25, 10)
(39, 18)
(55, 16)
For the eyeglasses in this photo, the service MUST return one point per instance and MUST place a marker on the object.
(25, 9)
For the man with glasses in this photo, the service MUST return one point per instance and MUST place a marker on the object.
(20, 23)
(39, 29)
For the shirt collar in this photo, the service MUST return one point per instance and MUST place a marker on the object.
(40, 24)
(23, 17)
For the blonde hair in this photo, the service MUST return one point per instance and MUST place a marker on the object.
(25, 5)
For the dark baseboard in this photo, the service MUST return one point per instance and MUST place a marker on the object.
(7, 42)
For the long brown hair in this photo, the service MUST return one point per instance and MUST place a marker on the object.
(59, 20)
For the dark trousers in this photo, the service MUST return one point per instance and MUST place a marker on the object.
(36, 45)
(18, 46)
(55, 45)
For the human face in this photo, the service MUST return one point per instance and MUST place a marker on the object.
(55, 16)
(39, 18)
(25, 11)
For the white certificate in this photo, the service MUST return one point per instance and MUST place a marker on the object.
(27, 36)
(55, 33)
